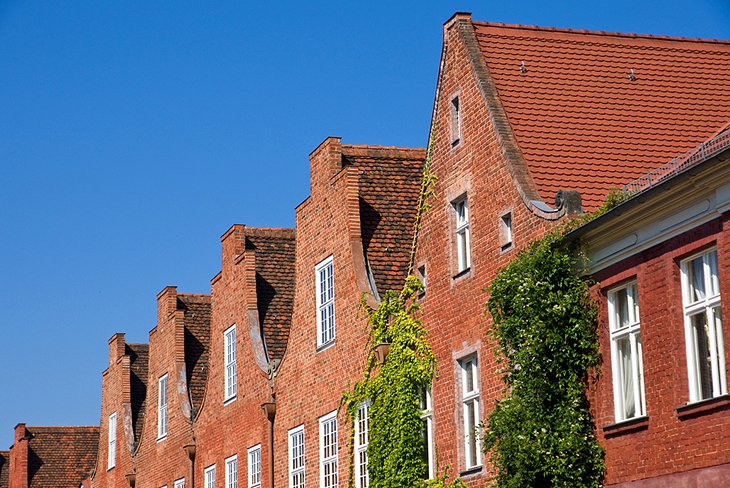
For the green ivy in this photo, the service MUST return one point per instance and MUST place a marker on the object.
(396, 450)
(541, 434)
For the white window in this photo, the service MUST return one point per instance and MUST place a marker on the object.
(296, 457)
(179, 483)
(230, 352)
(362, 432)
(232, 472)
(427, 432)
(254, 466)
(461, 208)
(325, 302)
(455, 121)
(505, 230)
(112, 441)
(328, 450)
(626, 354)
(470, 409)
(162, 407)
(703, 326)
(209, 476)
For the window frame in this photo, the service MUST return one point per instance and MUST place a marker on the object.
(455, 120)
(207, 481)
(632, 332)
(111, 458)
(470, 406)
(325, 336)
(162, 407)
(254, 468)
(706, 306)
(362, 440)
(462, 234)
(427, 418)
(328, 440)
(180, 483)
(301, 457)
(231, 464)
(230, 370)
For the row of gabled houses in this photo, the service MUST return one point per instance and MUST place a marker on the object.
(531, 126)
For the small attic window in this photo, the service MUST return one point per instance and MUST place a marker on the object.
(505, 230)
(455, 121)
(421, 275)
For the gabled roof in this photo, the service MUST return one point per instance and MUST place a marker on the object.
(138, 365)
(4, 469)
(389, 184)
(582, 123)
(274, 251)
(60, 456)
(197, 342)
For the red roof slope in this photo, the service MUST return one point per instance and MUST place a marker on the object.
(275, 256)
(61, 456)
(389, 184)
(4, 469)
(582, 123)
(197, 343)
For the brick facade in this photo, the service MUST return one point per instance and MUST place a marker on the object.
(360, 214)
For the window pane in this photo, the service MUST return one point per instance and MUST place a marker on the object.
(621, 304)
(626, 377)
(714, 281)
(702, 355)
(696, 279)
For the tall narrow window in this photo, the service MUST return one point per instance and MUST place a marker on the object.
(455, 121)
(296, 457)
(179, 483)
(328, 450)
(112, 441)
(362, 425)
(232, 472)
(325, 302)
(209, 476)
(461, 210)
(230, 352)
(427, 432)
(254, 466)
(703, 326)
(626, 354)
(470, 410)
(505, 230)
(162, 407)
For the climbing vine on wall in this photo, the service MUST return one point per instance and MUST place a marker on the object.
(541, 433)
(393, 389)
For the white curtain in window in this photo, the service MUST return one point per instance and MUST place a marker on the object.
(627, 378)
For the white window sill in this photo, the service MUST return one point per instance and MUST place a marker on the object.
(326, 345)
(162, 438)
(626, 426)
(703, 407)
(473, 471)
(111, 467)
(230, 400)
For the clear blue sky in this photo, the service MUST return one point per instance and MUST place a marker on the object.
(134, 133)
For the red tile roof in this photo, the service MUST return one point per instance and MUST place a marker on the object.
(579, 120)
(61, 456)
(138, 365)
(4, 469)
(389, 184)
(274, 250)
(196, 309)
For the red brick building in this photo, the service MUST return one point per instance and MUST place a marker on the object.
(530, 125)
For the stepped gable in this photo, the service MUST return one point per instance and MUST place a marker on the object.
(197, 342)
(138, 364)
(583, 120)
(389, 185)
(4, 469)
(61, 456)
(274, 251)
